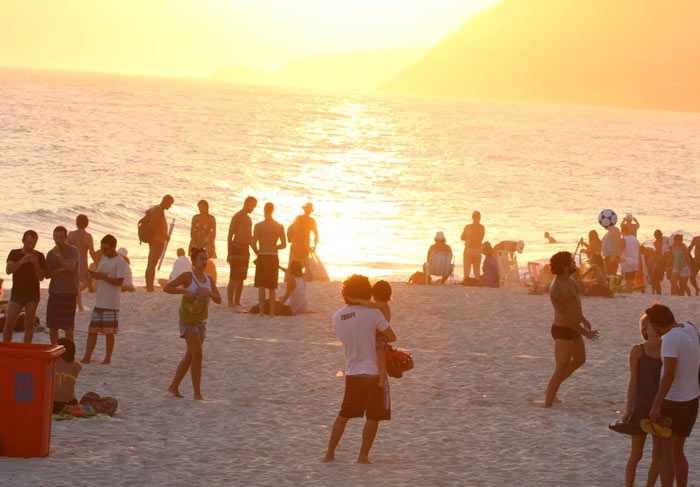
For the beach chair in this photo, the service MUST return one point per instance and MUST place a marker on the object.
(508, 268)
(441, 264)
(534, 271)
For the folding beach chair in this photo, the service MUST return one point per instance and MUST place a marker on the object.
(441, 264)
(534, 271)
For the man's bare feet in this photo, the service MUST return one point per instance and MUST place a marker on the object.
(84, 360)
(106, 362)
(364, 460)
(198, 397)
(174, 391)
(557, 400)
(329, 457)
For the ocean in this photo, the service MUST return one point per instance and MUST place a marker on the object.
(384, 172)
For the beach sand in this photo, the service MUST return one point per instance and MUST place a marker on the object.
(469, 413)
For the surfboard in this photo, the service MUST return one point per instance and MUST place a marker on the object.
(165, 247)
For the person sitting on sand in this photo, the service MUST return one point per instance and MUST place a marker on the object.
(197, 288)
(645, 373)
(105, 315)
(65, 377)
(128, 286)
(569, 324)
(549, 238)
(28, 268)
(597, 283)
(182, 264)
(294, 300)
(82, 240)
(357, 327)
(489, 275)
(266, 235)
(439, 247)
(509, 246)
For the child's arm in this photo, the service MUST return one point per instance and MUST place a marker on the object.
(385, 309)
(635, 356)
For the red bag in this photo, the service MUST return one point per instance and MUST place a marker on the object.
(398, 362)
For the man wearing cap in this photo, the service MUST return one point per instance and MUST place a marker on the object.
(299, 235)
(439, 247)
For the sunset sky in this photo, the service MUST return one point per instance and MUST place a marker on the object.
(192, 37)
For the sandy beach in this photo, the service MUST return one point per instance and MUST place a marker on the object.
(468, 414)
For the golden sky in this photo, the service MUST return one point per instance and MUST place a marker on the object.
(193, 37)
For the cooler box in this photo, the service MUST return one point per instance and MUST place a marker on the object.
(26, 398)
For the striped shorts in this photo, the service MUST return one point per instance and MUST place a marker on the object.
(104, 321)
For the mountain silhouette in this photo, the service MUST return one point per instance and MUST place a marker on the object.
(635, 53)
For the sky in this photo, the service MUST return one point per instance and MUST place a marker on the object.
(193, 37)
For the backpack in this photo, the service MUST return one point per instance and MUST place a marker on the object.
(397, 362)
(144, 228)
(418, 277)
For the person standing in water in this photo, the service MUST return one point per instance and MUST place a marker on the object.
(28, 268)
(197, 288)
(266, 235)
(569, 324)
(63, 268)
(82, 240)
(203, 231)
(240, 237)
(299, 236)
(158, 227)
(473, 236)
(109, 275)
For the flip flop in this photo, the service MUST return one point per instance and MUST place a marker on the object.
(661, 428)
(624, 427)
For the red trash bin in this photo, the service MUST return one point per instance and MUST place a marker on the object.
(26, 398)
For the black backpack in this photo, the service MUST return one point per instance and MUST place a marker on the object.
(144, 228)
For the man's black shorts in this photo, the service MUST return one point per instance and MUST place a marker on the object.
(682, 414)
(363, 394)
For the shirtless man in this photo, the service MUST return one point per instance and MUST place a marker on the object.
(611, 249)
(82, 240)
(240, 237)
(299, 236)
(159, 229)
(569, 324)
(473, 235)
(266, 236)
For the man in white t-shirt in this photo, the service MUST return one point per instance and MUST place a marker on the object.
(678, 393)
(357, 328)
(109, 276)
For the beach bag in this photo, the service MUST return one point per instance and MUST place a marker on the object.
(193, 310)
(418, 277)
(397, 362)
(315, 270)
(103, 405)
(144, 229)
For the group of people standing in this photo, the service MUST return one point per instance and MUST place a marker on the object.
(620, 251)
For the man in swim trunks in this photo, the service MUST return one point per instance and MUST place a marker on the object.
(611, 248)
(266, 236)
(299, 236)
(240, 236)
(159, 228)
(473, 236)
(63, 268)
(569, 324)
(694, 261)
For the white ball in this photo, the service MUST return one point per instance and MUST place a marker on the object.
(607, 218)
